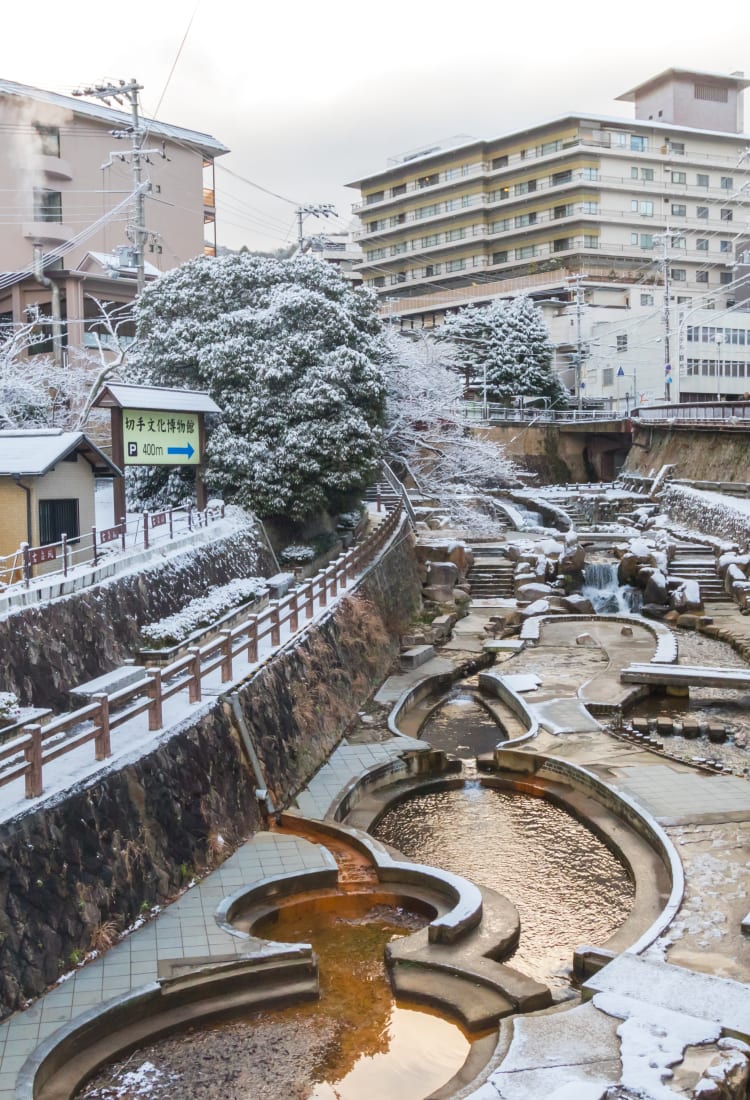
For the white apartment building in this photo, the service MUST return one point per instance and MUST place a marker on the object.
(66, 178)
(625, 210)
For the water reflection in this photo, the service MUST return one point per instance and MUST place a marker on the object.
(568, 887)
(461, 725)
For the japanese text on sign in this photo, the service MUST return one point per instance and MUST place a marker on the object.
(152, 438)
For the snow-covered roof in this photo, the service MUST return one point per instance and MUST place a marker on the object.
(32, 452)
(111, 264)
(155, 397)
(121, 119)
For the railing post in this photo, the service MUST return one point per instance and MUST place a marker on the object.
(294, 615)
(171, 525)
(155, 717)
(33, 756)
(379, 500)
(322, 593)
(64, 540)
(310, 601)
(195, 693)
(93, 543)
(102, 744)
(334, 581)
(190, 517)
(145, 530)
(25, 563)
(226, 654)
(275, 625)
(252, 639)
(123, 531)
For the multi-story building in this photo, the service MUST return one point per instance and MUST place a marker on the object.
(626, 209)
(67, 183)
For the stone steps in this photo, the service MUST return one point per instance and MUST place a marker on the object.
(491, 579)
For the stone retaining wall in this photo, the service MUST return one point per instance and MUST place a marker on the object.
(49, 648)
(80, 869)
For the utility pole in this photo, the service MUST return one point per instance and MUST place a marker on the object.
(577, 283)
(666, 240)
(127, 92)
(317, 210)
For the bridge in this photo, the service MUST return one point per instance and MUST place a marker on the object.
(686, 676)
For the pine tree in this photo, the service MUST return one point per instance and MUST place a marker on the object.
(507, 344)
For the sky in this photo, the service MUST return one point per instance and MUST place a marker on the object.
(310, 96)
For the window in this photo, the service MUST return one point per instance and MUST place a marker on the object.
(701, 276)
(500, 162)
(619, 139)
(638, 144)
(375, 196)
(428, 181)
(679, 274)
(501, 226)
(725, 246)
(561, 177)
(647, 174)
(398, 277)
(608, 376)
(428, 211)
(634, 173)
(726, 215)
(590, 240)
(454, 265)
(429, 241)
(563, 211)
(49, 140)
(47, 206)
(676, 147)
(562, 244)
(678, 177)
(379, 281)
(647, 299)
(548, 147)
(589, 207)
(701, 212)
(679, 242)
(644, 207)
(58, 518)
(702, 244)
(429, 270)
(701, 179)
(455, 234)
(646, 240)
(526, 252)
(525, 187)
(679, 210)
(622, 343)
(397, 249)
(399, 219)
(498, 195)
(376, 254)
(450, 204)
(590, 174)
(725, 277)
(399, 189)
(525, 219)
(450, 173)
(499, 257)
(727, 182)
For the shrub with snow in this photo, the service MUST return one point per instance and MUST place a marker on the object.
(202, 612)
(297, 555)
(9, 708)
(292, 355)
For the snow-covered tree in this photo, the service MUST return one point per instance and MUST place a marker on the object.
(508, 344)
(431, 438)
(292, 355)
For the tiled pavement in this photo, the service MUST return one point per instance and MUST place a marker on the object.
(344, 765)
(675, 795)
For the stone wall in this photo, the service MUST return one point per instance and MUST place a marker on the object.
(73, 872)
(49, 648)
(697, 455)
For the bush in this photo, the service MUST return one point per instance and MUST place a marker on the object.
(202, 612)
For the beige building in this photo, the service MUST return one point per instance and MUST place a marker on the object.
(67, 184)
(627, 210)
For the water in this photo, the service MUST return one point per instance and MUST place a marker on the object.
(608, 597)
(461, 725)
(355, 1043)
(568, 887)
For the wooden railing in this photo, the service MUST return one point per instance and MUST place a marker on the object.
(26, 755)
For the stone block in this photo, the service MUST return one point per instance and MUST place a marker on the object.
(664, 725)
(587, 640)
(442, 574)
(717, 735)
(640, 725)
(690, 729)
(438, 594)
(417, 656)
(687, 621)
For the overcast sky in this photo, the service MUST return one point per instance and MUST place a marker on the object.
(309, 96)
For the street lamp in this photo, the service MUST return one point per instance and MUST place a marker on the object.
(719, 338)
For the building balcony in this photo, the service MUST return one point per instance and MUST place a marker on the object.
(43, 231)
(53, 167)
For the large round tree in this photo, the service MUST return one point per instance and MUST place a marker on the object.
(292, 355)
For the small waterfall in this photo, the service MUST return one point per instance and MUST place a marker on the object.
(607, 596)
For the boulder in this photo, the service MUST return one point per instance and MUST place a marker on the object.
(538, 607)
(733, 575)
(686, 597)
(446, 550)
(573, 560)
(587, 640)
(436, 593)
(627, 568)
(443, 573)
(656, 589)
(534, 591)
(577, 605)
(655, 610)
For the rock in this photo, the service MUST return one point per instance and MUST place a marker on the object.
(732, 576)
(687, 621)
(539, 607)
(627, 568)
(573, 560)
(446, 550)
(587, 640)
(438, 594)
(534, 591)
(686, 596)
(626, 631)
(656, 589)
(577, 605)
(654, 610)
(442, 573)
